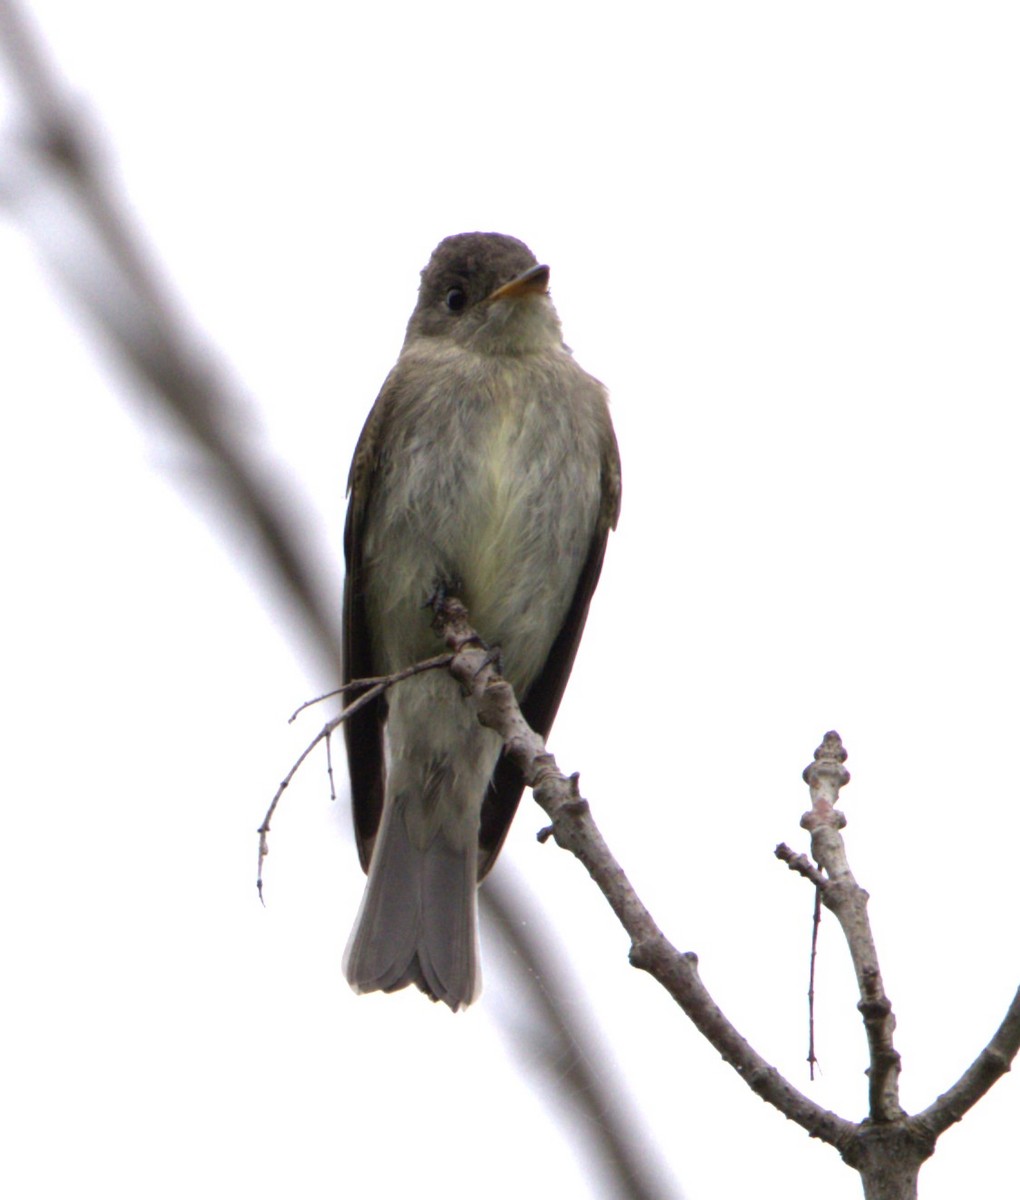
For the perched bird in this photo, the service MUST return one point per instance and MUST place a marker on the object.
(488, 467)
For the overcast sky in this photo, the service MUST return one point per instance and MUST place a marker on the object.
(785, 237)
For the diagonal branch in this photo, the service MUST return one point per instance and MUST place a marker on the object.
(617, 1138)
(990, 1065)
(574, 828)
(122, 292)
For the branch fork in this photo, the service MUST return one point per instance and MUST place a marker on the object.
(889, 1146)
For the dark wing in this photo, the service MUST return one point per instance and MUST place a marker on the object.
(363, 732)
(543, 697)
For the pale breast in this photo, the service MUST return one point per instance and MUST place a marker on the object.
(492, 486)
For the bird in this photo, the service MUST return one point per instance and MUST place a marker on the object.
(488, 468)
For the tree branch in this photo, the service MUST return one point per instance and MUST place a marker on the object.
(574, 829)
(122, 293)
(617, 1140)
(990, 1065)
(889, 1148)
(842, 894)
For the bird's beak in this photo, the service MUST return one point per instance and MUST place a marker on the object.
(535, 279)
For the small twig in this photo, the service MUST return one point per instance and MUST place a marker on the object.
(357, 685)
(803, 866)
(263, 829)
(816, 922)
(375, 687)
(329, 768)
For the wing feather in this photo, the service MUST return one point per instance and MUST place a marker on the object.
(363, 732)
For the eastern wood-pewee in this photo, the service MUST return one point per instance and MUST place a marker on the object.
(489, 467)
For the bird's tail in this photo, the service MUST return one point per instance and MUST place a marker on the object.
(417, 923)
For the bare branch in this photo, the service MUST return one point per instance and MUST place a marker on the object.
(801, 864)
(842, 894)
(990, 1065)
(133, 309)
(574, 828)
(618, 1140)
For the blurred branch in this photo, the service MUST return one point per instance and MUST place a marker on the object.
(120, 289)
(615, 1137)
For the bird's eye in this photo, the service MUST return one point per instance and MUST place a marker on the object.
(456, 298)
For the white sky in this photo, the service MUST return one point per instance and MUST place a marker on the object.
(785, 236)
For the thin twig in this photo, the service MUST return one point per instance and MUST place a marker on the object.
(329, 768)
(356, 685)
(375, 687)
(803, 866)
(816, 921)
(263, 829)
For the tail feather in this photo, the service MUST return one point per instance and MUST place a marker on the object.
(417, 923)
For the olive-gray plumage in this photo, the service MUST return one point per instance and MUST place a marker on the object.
(488, 466)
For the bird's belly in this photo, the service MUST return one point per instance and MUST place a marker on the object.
(503, 518)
